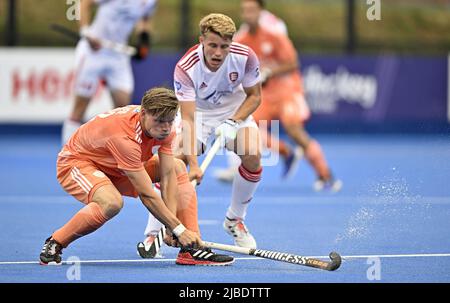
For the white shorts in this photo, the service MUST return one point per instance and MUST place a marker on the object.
(92, 67)
(206, 124)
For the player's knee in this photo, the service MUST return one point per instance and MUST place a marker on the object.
(111, 204)
(252, 162)
(180, 167)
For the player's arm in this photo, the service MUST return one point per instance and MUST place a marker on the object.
(141, 181)
(185, 91)
(168, 181)
(250, 104)
(287, 60)
(252, 88)
(144, 36)
(86, 9)
(190, 139)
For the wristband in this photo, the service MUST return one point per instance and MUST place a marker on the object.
(84, 31)
(177, 231)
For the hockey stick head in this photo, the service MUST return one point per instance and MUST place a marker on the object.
(336, 261)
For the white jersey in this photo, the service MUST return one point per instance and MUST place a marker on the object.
(115, 19)
(217, 94)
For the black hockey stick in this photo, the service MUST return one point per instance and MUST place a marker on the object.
(332, 265)
(118, 47)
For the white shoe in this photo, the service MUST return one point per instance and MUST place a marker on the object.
(226, 175)
(150, 248)
(237, 229)
(333, 185)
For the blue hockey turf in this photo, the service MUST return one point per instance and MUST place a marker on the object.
(390, 222)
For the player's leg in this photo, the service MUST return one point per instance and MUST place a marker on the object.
(120, 81)
(120, 98)
(248, 147)
(294, 113)
(291, 158)
(227, 174)
(187, 213)
(103, 201)
(86, 83)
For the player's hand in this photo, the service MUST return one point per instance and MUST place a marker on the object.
(189, 239)
(227, 131)
(94, 43)
(195, 173)
(143, 46)
(170, 239)
(265, 75)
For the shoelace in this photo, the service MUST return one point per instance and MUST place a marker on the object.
(241, 226)
(53, 248)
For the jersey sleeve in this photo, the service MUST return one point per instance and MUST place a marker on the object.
(126, 152)
(285, 51)
(184, 86)
(251, 76)
(166, 146)
(150, 9)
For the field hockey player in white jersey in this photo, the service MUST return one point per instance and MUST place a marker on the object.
(218, 85)
(98, 59)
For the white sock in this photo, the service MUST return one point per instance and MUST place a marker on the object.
(153, 225)
(233, 160)
(244, 186)
(68, 128)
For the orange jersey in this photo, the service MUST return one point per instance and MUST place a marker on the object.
(274, 49)
(114, 141)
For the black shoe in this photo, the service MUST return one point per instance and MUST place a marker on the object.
(204, 256)
(51, 253)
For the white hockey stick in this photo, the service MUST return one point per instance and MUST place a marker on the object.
(152, 251)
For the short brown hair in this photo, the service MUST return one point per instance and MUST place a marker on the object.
(160, 102)
(218, 23)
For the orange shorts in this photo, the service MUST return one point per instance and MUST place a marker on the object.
(288, 110)
(81, 178)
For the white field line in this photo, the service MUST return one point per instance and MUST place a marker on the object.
(285, 200)
(244, 258)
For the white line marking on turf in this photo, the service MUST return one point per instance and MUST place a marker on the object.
(285, 200)
(244, 258)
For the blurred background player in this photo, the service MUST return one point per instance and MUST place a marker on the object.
(282, 96)
(114, 21)
(112, 156)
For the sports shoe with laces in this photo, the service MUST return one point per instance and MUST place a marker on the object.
(237, 229)
(51, 253)
(204, 256)
(291, 162)
(151, 247)
(331, 184)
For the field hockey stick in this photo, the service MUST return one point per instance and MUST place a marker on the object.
(157, 243)
(281, 256)
(209, 156)
(118, 47)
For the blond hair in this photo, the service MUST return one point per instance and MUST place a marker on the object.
(160, 102)
(219, 24)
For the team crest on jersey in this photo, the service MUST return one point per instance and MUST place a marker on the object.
(177, 85)
(233, 76)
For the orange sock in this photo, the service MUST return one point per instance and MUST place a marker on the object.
(187, 210)
(86, 221)
(316, 158)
